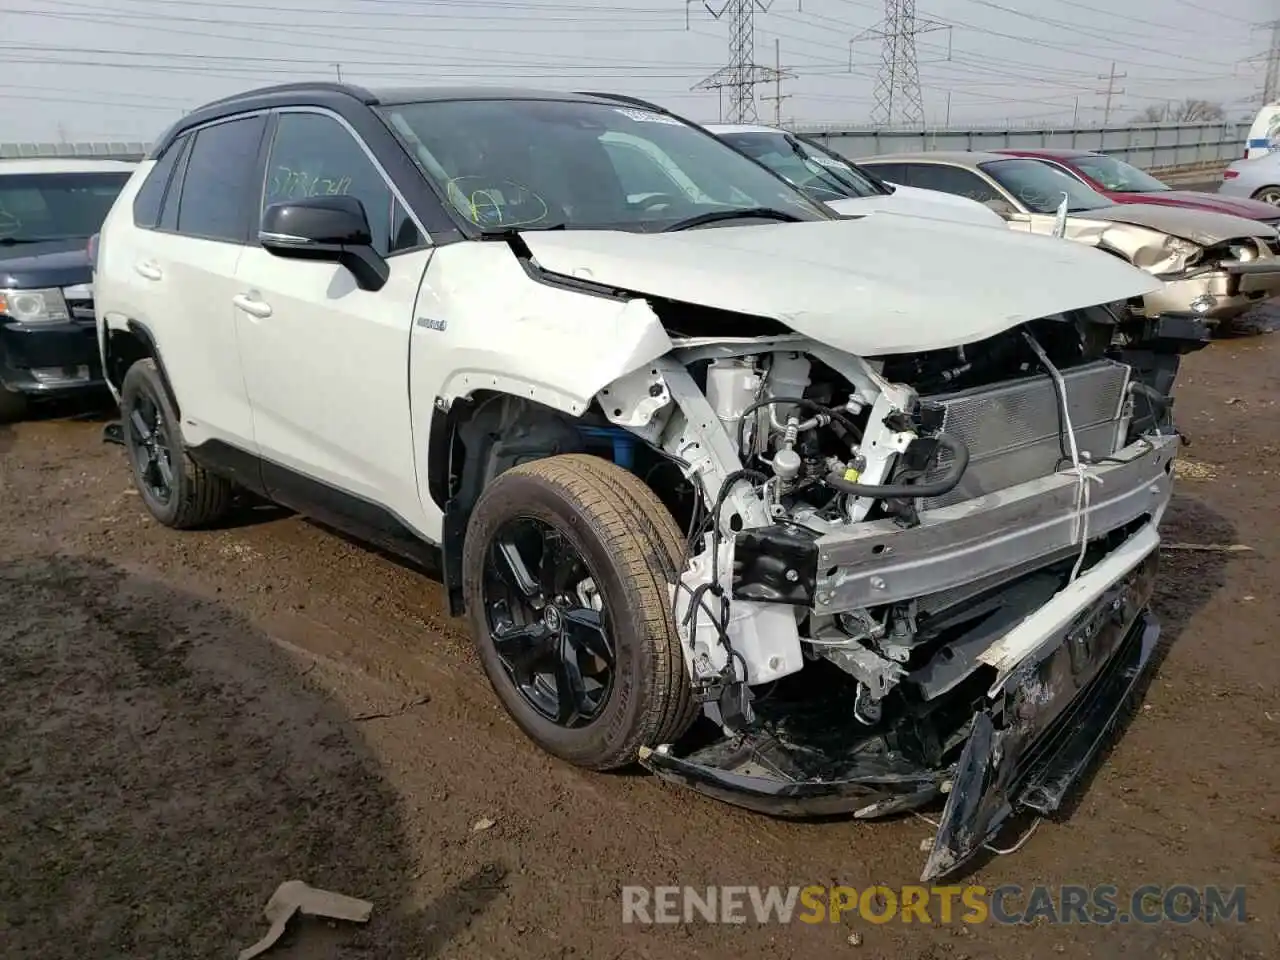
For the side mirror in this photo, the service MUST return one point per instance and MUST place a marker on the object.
(333, 229)
(1001, 206)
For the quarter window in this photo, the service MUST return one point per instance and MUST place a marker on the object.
(146, 205)
(219, 178)
(314, 155)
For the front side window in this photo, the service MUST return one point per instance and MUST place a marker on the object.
(1117, 175)
(1039, 187)
(35, 207)
(219, 177)
(539, 164)
(314, 155)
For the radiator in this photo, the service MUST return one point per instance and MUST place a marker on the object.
(1012, 429)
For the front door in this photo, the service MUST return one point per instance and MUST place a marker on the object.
(327, 363)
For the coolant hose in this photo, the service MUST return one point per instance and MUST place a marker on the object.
(897, 491)
(1154, 396)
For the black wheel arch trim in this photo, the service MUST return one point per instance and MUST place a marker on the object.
(143, 334)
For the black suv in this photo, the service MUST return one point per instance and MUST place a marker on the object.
(49, 208)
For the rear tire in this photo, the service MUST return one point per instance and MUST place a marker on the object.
(13, 405)
(628, 546)
(176, 490)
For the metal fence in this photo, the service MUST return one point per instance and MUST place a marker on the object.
(1156, 146)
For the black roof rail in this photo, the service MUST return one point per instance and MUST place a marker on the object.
(305, 86)
(623, 98)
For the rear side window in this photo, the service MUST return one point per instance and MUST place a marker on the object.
(146, 205)
(220, 185)
(953, 180)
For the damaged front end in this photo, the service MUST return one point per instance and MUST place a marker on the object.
(917, 578)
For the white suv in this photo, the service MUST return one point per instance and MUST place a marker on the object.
(877, 497)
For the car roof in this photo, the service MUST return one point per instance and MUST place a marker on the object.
(337, 95)
(959, 158)
(29, 165)
(1055, 154)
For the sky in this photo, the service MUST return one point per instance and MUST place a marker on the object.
(125, 69)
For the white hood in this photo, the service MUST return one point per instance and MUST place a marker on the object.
(912, 201)
(877, 285)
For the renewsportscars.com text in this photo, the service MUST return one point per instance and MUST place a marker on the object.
(1007, 904)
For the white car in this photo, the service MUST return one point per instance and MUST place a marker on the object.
(826, 176)
(717, 456)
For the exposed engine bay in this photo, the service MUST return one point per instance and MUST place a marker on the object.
(907, 578)
(887, 554)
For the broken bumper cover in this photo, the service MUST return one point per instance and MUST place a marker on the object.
(1226, 292)
(1028, 743)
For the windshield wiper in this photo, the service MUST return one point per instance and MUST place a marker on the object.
(507, 233)
(14, 241)
(852, 190)
(750, 213)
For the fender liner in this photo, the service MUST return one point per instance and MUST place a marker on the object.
(484, 449)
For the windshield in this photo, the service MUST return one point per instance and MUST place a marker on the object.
(1039, 187)
(55, 206)
(540, 164)
(819, 175)
(1117, 175)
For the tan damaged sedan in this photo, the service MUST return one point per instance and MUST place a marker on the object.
(1214, 265)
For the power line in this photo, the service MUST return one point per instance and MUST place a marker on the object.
(741, 75)
(897, 91)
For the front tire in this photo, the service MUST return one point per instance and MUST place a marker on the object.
(566, 569)
(176, 491)
(1269, 195)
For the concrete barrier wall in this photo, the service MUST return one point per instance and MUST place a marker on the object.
(1159, 146)
(114, 150)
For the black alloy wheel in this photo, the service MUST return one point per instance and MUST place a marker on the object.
(150, 448)
(175, 489)
(547, 623)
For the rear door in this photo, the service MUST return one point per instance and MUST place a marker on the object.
(184, 270)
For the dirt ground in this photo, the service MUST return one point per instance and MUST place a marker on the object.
(186, 720)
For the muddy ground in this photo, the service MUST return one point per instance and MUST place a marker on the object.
(186, 720)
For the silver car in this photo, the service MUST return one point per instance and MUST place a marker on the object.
(1257, 179)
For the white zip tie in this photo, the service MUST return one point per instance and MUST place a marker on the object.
(1080, 522)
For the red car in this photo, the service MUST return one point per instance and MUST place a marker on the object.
(1124, 183)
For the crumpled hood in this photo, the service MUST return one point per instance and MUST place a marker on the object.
(1196, 200)
(1199, 226)
(876, 285)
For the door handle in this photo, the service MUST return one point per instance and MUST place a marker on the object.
(148, 269)
(252, 306)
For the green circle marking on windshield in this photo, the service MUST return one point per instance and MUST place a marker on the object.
(496, 203)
